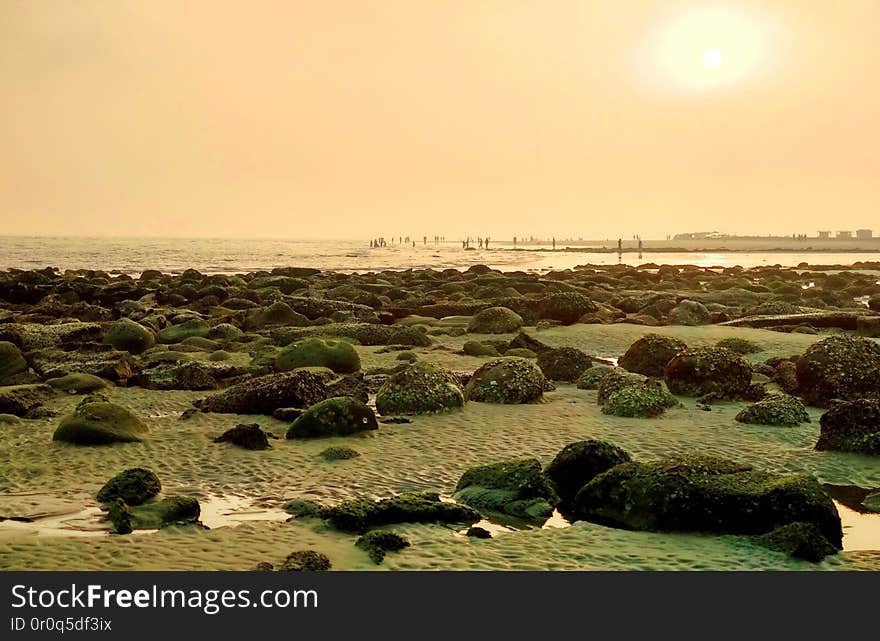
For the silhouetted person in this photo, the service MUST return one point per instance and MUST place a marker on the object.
(487, 243)
(619, 245)
(554, 243)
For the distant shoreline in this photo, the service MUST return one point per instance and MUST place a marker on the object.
(688, 250)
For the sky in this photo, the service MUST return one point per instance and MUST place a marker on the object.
(353, 119)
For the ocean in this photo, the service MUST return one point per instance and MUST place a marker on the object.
(224, 256)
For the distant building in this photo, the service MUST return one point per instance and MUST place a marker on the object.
(844, 235)
(824, 234)
(864, 234)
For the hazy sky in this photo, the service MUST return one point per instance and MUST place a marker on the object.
(362, 118)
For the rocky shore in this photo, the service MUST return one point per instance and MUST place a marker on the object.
(606, 417)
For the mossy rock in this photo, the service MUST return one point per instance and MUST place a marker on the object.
(24, 400)
(408, 356)
(775, 409)
(303, 509)
(265, 394)
(12, 361)
(129, 336)
(187, 329)
(564, 363)
(650, 354)
(521, 352)
(851, 426)
(134, 486)
(338, 416)
(476, 348)
(517, 488)
(799, 540)
(705, 494)
(507, 381)
(201, 343)
(591, 376)
(689, 312)
(225, 332)
(714, 371)
(495, 320)
(579, 463)
(379, 542)
(615, 380)
(360, 515)
(219, 356)
(305, 561)
(740, 345)
(339, 356)
(566, 307)
(421, 388)
(643, 400)
(173, 510)
(338, 453)
(249, 437)
(839, 367)
(100, 423)
(872, 502)
(77, 383)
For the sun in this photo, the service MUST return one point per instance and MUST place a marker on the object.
(712, 57)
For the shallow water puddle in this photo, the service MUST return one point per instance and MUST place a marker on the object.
(229, 511)
(861, 530)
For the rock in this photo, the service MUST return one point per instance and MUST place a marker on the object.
(650, 354)
(264, 566)
(287, 414)
(775, 409)
(11, 362)
(77, 383)
(495, 320)
(378, 542)
(277, 314)
(839, 367)
(338, 416)
(408, 356)
(478, 532)
(476, 348)
(708, 370)
(591, 376)
(799, 540)
(353, 385)
(250, 437)
(186, 329)
(740, 345)
(24, 400)
(564, 363)
(305, 561)
(338, 356)
(516, 488)
(112, 365)
(520, 352)
(303, 509)
(851, 426)
(187, 414)
(360, 515)
(98, 422)
(639, 400)
(34, 336)
(872, 502)
(134, 486)
(192, 376)
(689, 312)
(9, 419)
(578, 463)
(705, 494)
(339, 454)
(225, 332)
(566, 307)
(395, 420)
(414, 336)
(173, 510)
(616, 380)
(419, 389)
(119, 515)
(265, 394)
(524, 341)
(506, 380)
(785, 376)
(868, 326)
(129, 336)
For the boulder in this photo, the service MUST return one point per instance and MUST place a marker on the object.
(506, 380)
(851, 426)
(650, 354)
(647, 399)
(566, 307)
(134, 486)
(839, 367)
(705, 494)
(24, 400)
(591, 376)
(689, 312)
(249, 437)
(578, 463)
(714, 371)
(564, 363)
(337, 355)
(517, 488)
(181, 331)
(264, 394)
(338, 453)
(495, 320)
(379, 542)
(338, 416)
(419, 389)
(277, 314)
(775, 409)
(98, 422)
(799, 540)
(476, 348)
(305, 561)
(11, 361)
(740, 345)
(192, 376)
(615, 380)
(77, 383)
(129, 336)
(360, 515)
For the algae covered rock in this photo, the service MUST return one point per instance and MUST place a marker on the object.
(689, 312)
(11, 361)
(249, 437)
(134, 486)
(839, 367)
(740, 345)
(24, 400)
(337, 355)
(98, 422)
(495, 320)
(77, 383)
(517, 488)
(173, 510)
(714, 371)
(705, 494)
(476, 348)
(616, 380)
(305, 561)
(799, 540)
(640, 400)
(338, 416)
(564, 363)
(650, 354)
(377, 543)
(566, 307)
(265, 394)
(851, 426)
(507, 380)
(338, 453)
(129, 336)
(591, 376)
(419, 389)
(360, 515)
(578, 463)
(181, 331)
(775, 409)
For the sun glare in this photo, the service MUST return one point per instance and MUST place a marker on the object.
(712, 57)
